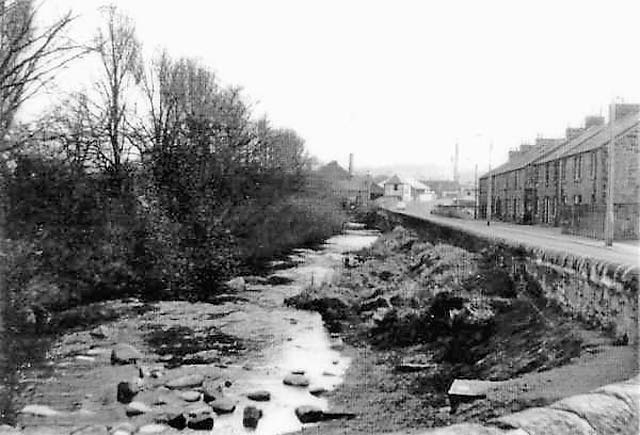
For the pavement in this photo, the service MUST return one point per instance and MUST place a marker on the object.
(625, 253)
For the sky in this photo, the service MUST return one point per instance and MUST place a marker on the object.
(400, 82)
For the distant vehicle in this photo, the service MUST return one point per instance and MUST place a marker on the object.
(401, 205)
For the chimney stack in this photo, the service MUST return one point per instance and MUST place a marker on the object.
(622, 110)
(350, 164)
(592, 121)
(571, 133)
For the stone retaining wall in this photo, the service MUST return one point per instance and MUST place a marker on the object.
(612, 409)
(600, 293)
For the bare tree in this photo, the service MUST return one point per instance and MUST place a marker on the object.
(119, 50)
(29, 56)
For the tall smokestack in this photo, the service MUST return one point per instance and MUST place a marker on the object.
(351, 164)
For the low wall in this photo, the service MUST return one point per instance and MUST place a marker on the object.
(612, 409)
(599, 293)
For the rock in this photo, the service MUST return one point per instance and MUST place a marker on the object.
(317, 391)
(94, 429)
(153, 428)
(190, 396)
(125, 354)
(250, 417)
(538, 421)
(212, 391)
(97, 351)
(188, 381)
(237, 284)
(126, 391)
(172, 416)
(328, 374)
(374, 303)
(136, 408)
(278, 280)
(255, 280)
(337, 344)
(223, 405)
(465, 390)
(296, 380)
(605, 413)
(309, 414)
(40, 411)
(200, 417)
(165, 358)
(413, 367)
(228, 383)
(99, 332)
(85, 358)
(297, 372)
(259, 396)
(5, 429)
(124, 428)
(202, 357)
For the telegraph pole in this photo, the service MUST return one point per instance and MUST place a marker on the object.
(609, 223)
(475, 192)
(489, 189)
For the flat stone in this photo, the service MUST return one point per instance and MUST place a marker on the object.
(309, 414)
(200, 417)
(100, 332)
(236, 284)
(605, 413)
(190, 396)
(259, 396)
(544, 421)
(469, 388)
(296, 380)
(212, 391)
(123, 428)
(223, 405)
(97, 351)
(250, 417)
(40, 411)
(172, 416)
(188, 381)
(136, 408)
(298, 372)
(85, 358)
(124, 353)
(94, 429)
(153, 428)
(317, 391)
(415, 367)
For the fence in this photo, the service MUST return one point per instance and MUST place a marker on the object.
(588, 220)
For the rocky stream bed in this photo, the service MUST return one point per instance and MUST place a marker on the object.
(246, 363)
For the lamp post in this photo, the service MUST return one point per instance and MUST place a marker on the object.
(490, 188)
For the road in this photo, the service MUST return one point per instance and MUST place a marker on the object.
(623, 253)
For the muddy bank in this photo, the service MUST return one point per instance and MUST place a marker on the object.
(224, 358)
(420, 315)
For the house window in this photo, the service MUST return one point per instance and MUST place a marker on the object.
(577, 199)
(577, 167)
(594, 164)
(563, 169)
(515, 180)
(547, 173)
(395, 187)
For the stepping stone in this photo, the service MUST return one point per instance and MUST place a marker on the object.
(223, 405)
(250, 417)
(317, 391)
(153, 428)
(136, 408)
(200, 417)
(188, 381)
(124, 353)
(309, 414)
(190, 396)
(296, 380)
(259, 396)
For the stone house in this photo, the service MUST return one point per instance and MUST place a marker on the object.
(407, 189)
(564, 183)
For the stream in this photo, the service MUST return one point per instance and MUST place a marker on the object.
(265, 341)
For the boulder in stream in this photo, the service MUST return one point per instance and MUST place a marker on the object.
(40, 411)
(200, 417)
(100, 332)
(296, 380)
(309, 414)
(136, 408)
(223, 405)
(237, 284)
(126, 391)
(187, 381)
(259, 396)
(250, 417)
(124, 353)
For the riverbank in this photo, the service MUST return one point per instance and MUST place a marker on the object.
(418, 316)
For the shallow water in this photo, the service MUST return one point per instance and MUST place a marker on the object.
(277, 340)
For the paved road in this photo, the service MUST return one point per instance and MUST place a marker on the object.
(624, 253)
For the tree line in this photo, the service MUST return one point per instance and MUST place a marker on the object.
(157, 181)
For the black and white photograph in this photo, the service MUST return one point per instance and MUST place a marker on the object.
(322, 217)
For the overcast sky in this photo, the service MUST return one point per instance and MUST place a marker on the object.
(402, 81)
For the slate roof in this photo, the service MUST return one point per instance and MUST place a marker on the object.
(597, 138)
(396, 179)
(526, 158)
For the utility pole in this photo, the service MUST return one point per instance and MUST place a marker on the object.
(489, 189)
(609, 223)
(475, 192)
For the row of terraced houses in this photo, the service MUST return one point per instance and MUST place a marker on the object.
(563, 182)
